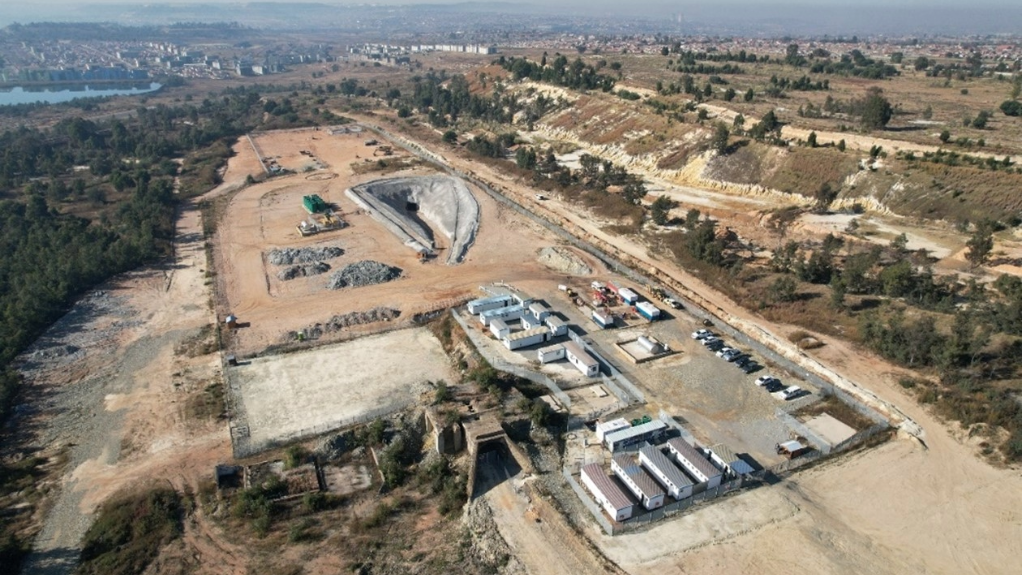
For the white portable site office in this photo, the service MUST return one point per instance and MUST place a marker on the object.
(608, 494)
(678, 485)
(697, 465)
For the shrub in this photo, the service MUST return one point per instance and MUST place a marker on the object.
(129, 532)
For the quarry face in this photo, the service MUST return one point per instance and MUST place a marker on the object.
(417, 208)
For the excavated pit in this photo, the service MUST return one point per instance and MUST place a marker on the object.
(412, 208)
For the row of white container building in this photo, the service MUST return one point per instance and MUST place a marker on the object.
(678, 471)
(538, 324)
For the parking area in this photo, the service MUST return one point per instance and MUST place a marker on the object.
(713, 398)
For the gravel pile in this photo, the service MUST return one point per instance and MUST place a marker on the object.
(291, 256)
(303, 270)
(363, 273)
(564, 260)
(340, 322)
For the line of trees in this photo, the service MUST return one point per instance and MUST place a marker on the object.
(576, 75)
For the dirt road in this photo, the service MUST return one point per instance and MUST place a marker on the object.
(538, 534)
(132, 392)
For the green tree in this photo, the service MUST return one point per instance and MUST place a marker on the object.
(876, 110)
(749, 95)
(1011, 108)
(783, 289)
(660, 209)
(841, 145)
(720, 138)
(928, 112)
(450, 137)
(921, 63)
(981, 243)
(824, 196)
(945, 135)
(525, 158)
(811, 140)
(739, 122)
(837, 292)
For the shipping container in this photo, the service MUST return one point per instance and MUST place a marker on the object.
(499, 328)
(627, 296)
(603, 319)
(478, 306)
(550, 353)
(648, 310)
(580, 359)
(556, 325)
(526, 338)
(510, 313)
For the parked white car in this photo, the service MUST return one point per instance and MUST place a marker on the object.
(702, 334)
(765, 379)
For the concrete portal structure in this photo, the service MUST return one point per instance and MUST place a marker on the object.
(638, 481)
(607, 492)
(694, 462)
(678, 485)
(400, 204)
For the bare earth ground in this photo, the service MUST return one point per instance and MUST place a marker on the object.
(132, 392)
(282, 395)
(905, 507)
(263, 216)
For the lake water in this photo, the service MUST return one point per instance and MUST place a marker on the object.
(60, 94)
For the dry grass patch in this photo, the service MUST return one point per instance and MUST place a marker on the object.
(805, 170)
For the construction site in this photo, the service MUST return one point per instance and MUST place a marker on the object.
(599, 348)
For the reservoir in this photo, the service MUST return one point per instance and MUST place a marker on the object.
(58, 94)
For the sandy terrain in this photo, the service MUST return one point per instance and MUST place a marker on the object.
(290, 395)
(907, 507)
(263, 216)
(138, 431)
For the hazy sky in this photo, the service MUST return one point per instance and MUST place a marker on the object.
(642, 4)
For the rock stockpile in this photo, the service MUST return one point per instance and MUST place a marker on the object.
(363, 273)
(303, 270)
(291, 256)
